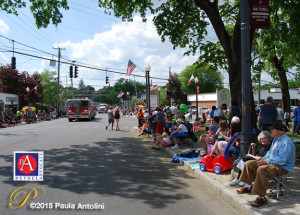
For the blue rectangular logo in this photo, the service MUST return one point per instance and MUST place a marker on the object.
(28, 166)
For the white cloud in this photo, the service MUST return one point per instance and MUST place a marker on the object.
(4, 29)
(136, 41)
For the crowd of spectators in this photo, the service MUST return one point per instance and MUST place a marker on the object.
(26, 115)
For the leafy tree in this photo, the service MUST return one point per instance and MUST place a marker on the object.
(81, 85)
(174, 88)
(89, 87)
(43, 11)
(163, 97)
(17, 83)
(50, 84)
(280, 46)
(209, 78)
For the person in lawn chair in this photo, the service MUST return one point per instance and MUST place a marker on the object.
(279, 160)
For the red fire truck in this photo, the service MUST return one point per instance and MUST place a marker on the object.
(80, 109)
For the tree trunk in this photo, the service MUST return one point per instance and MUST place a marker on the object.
(232, 49)
(284, 86)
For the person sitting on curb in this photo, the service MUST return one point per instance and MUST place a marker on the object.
(205, 138)
(280, 160)
(163, 140)
(266, 139)
(181, 131)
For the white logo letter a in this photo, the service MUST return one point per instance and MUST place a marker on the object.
(27, 164)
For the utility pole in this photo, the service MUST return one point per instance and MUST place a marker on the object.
(58, 74)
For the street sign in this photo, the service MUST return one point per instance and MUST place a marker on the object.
(198, 89)
(260, 14)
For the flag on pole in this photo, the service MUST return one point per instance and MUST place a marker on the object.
(153, 88)
(192, 78)
(35, 89)
(120, 94)
(130, 68)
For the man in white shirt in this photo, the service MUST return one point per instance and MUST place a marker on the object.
(174, 110)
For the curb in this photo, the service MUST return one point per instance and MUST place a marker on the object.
(234, 199)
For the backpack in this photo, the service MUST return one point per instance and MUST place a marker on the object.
(191, 133)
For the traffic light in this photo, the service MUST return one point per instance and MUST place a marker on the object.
(71, 71)
(107, 80)
(13, 63)
(76, 72)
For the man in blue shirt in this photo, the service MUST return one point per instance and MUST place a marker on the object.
(280, 160)
(268, 114)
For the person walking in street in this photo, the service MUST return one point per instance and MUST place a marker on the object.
(110, 115)
(268, 114)
(117, 117)
(279, 160)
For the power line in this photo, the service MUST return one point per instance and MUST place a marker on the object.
(84, 66)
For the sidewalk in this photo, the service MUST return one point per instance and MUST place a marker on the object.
(287, 204)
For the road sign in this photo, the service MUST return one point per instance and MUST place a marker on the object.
(260, 14)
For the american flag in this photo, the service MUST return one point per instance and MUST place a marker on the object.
(35, 89)
(192, 78)
(120, 94)
(153, 88)
(130, 68)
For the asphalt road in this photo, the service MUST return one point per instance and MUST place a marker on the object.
(86, 164)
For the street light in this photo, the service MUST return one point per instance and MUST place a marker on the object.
(196, 82)
(158, 96)
(148, 68)
(27, 96)
(128, 99)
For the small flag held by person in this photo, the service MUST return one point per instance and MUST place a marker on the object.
(130, 68)
(120, 94)
(192, 78)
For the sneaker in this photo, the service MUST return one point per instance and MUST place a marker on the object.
(234, 182)
(175, 147)
(244, 190)
(242, 184)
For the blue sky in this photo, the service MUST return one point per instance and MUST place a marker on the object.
(90, 37)
(93, 38)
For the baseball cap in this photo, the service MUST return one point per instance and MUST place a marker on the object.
(278, 126)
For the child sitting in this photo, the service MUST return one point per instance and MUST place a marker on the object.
(142, 128)
(163, 140)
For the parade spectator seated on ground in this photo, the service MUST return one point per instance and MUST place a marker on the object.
(268, 114)
(144, 129)
(266, 139)
(163, 140)
(205, 138)
(140, 117)
(279, 160)
(197, 127)
(180, 132)
(220, 145)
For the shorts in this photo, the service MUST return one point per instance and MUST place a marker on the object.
(177, 135)
(165, 144)
(110, 120)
